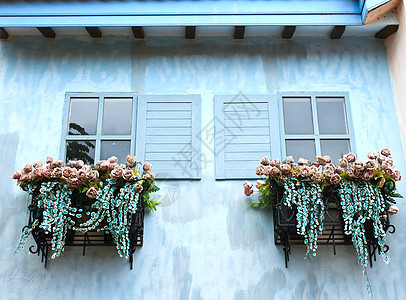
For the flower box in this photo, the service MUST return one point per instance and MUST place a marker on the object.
(79, 205)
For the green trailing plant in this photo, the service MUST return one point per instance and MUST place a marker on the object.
(81, 198)
(366, 191)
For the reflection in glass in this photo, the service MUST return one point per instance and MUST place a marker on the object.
(297, 114)
(301, 148)
(335, 149)
(81, 150)
(120, 149)
(117, 116)
(331, 116)
(83, 116)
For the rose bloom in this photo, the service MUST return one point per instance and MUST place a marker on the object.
(320, 160)
(275, 171)
(74, 182)
(138, 188)
(247, 185)
(367, 175)
(343, 163)
(117, 172)
(112, 160)
(387, 163)
(382, 181)
(350, 157)
(37, 173)
(386, 152)
(24, 177)
(128, 175)
(330, 167)
(339, 170)
(327, 159)
(16, 175)
(57, 163)
(49, 160)
(317, 177)
(294, 165)
(389, 172)
(259, 171)
(370, 165)
(92, 193)
(371, 155)
(275, 163)
(152, 175)
(147, 166)
(92, 175)
(259, 182)
(359, 165)
(104, 166)
(82, 174)
(335, 179)
(265, 161)
(328, 173)
(68, 172)
(130, 159)
(80, 164)
(396, 175)
(57, 172)
(357, 173)
(47, 173)
(72, 163)
(38, 164)
(289, 160)
(285, 168)
(86, 168)
(305, 171)
(393, 209)
(267, 171)
(303, 161)
(27, 168)
(313, 170)
(316, 164)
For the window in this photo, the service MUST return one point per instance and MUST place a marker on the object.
(315, 124)
(158, 129)
(301, 125)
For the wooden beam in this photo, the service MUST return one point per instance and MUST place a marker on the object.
(3, 34)
(379, 11)
(387, 31)
(47, 32)
(190, 32)
(138, 32)
(337, 32)
(239, 32)
(288, 32)
(94, 32)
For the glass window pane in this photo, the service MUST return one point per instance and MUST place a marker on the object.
(80, 150)
(297, 114)
(331, 116)
(117, 116)
(83, 116)
(301, 148)
(120, 149)
(335, 149)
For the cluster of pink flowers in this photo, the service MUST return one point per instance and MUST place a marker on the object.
(323, 170)
(76, 174)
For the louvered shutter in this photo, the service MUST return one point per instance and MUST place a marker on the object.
(244, 133)
(167, 135)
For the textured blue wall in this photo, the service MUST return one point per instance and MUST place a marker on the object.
(204, 242)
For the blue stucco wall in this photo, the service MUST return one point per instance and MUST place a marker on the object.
(204, 242)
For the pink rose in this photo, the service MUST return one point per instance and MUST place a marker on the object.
(147, 166)
(389, 172)
(304, 171)
(313, 170)
(152, 175)
(359, 165)
(303, 161)
(329, 174)
(275, 163)
(104, 166)
(386, 152)
(259, 182)
(367, 175)
(130, 159)
(350, 157)
(86, 168)
(289, 160)
(24, 177)
(74, 182)
(128, 175)
(82, 174)
(294, 165)
(259, 171)
(317, 177)
(16, 175)
(27, 168)
(38, 164)
(381, 158)
(339, 170)
(393, 209)
(138, 188)
(112, 160)
(37, 173)
(92, 175)
(343, 163)
(68, 172)
(321, 161)
(49, 160)
(79, 164)
(92, 193)
(57, 163)
(315, 164)
(72, 163)
(396, 175)
(267, 171)
(382, 182)
(327, 159)
(117, 172)
(265, 161)
(370, 165)
(57, 172)
(275, 171)
(285, 168)
(371, 155)
(47, 173)
(335, 179)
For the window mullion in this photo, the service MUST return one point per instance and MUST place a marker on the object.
(134, 126)
(315, 125)
(99, 129)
